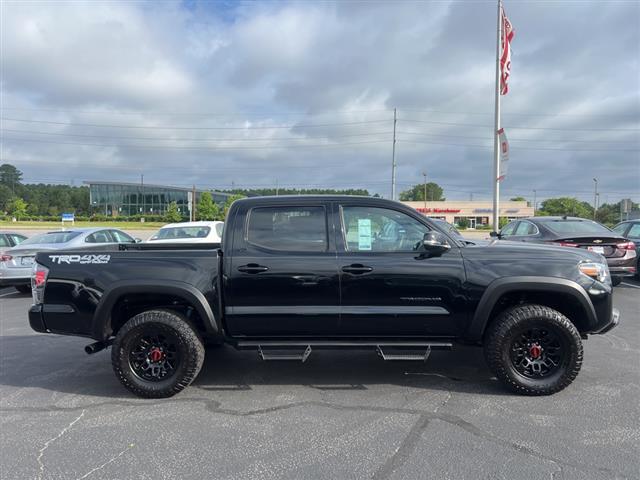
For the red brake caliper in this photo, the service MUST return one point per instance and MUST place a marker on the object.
(535, 351)
(155, 354)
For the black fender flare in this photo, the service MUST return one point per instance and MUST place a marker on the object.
(500, 286)
(186, 291)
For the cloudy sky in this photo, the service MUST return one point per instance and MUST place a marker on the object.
(302, 94)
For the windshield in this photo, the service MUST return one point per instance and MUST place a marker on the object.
(572, 227)
(51, 237)
(181, 232)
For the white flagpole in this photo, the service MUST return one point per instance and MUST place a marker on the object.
(496, 143)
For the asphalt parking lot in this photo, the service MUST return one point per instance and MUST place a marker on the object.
(341, 415)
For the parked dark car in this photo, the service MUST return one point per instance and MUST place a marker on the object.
(631, 230)
(577, 233)
(300, 273)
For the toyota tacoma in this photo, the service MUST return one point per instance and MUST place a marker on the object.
(295, 274)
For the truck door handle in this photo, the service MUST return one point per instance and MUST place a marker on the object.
(252, 268)
(357, 269)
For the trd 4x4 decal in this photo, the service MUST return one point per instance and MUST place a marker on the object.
(82, 259)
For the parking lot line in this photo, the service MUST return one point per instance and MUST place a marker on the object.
(629, 285)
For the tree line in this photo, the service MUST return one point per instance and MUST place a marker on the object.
(44, 201)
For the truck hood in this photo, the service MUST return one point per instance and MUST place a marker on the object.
(520, 249)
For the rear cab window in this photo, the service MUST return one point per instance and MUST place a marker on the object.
(288, 228)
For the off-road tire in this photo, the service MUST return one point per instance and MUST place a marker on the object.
(23, 288)
(189, 346)
(500, 338)
(615, 281)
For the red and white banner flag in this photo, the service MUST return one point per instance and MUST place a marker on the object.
(504, 154)
(505, 53)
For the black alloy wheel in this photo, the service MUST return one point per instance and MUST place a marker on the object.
(533, 349)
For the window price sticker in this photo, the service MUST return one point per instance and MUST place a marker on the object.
(364, 234)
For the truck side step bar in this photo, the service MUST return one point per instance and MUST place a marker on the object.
(299, 350)
(404, 354)
(275, 354)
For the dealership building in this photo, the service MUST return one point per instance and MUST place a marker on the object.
(116, 198)
(477, 213)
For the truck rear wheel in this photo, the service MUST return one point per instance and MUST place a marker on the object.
(157, 354)
(534, 350)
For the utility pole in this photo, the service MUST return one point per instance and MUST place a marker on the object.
(424, 174)
(496, 144)
(277, 189)
(193, 203)
(595, 197)
(534, 203)
(142, 189)
(393, 157)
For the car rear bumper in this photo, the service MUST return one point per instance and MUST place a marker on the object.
(10, 276)
(623, 266)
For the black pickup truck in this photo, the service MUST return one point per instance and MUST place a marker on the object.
(295, 274)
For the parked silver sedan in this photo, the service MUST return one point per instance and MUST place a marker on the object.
(16, 264)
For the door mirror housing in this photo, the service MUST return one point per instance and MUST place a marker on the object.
(137, 240)
(495, 235)
(435, 243)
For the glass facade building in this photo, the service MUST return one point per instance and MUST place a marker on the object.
(127, 199)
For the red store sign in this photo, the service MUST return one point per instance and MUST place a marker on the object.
(438, 210)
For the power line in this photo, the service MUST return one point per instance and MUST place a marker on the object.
(456, 124)
(313, 125)
(119, 137)
(530, 114)
(195, 114)
(558, 140)
(523, 148)
(204, 148)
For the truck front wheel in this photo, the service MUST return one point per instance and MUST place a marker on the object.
(534, 350)
(157, 354)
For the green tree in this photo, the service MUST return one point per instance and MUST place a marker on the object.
(18, 208)
(5, 197)
(173, 214)
(566, 206)
(228, 203)
(10, 176)
(416, 193)
(207, 208)
(518, 199)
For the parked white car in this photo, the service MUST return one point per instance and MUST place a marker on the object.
(189, 232)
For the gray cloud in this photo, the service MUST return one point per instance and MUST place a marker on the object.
(232, 68)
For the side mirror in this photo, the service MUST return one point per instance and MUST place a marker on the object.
(435, 243)
(494, 235)
(138, 240)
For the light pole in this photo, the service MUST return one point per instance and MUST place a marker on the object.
(595, 197)
(424, 174)
(534, 203)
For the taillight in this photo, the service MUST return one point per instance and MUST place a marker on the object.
(38, 282)
(5, 258)
(627, 246)
(564, 244)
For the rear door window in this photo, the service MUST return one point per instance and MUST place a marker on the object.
(294, 229)
(17, 239)
(121, 237)
(526, 228)
(634, 231)
(509, 229)
(4, 241)
(101, 236)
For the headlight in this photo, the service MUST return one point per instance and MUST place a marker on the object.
(597, 271)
